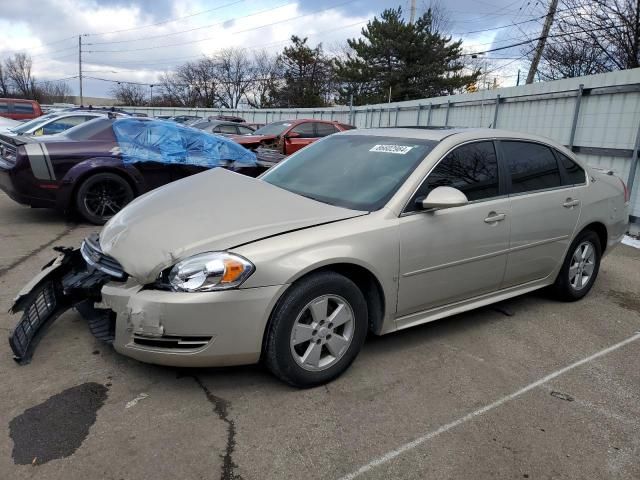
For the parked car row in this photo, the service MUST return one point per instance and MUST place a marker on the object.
(70, 159)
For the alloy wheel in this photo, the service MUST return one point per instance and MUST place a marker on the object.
(106, 198)
(582, 265)
(322, 332)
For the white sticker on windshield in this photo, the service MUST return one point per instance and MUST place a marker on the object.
(398, 149)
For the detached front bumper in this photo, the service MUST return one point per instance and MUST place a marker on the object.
(155, 326)
(189, 329)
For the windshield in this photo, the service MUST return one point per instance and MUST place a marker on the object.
(36, 122)
(360, 172)
(275, 128)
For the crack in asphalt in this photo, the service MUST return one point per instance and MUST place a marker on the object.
(221, 408)
(35, 251)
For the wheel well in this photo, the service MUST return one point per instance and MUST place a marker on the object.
(364, 280)
(599, 230)
(95, 171)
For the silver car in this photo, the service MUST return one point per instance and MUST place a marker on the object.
(364, 231)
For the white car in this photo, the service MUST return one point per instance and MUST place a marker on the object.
(51, 123)
(7, 123)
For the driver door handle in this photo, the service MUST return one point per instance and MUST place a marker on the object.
(570, 203)
(494, 217)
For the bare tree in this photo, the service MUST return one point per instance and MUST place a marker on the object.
(129, 94)
(193, 84)
(52, 92)
(592, 36)
(4, 83)
(18, 71)
(267, 77)
(236, 75)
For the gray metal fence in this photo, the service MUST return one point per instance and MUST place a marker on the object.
(597, 116)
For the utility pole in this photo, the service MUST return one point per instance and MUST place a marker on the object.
(542, 41)
(151, 99)
(80, 67)
(412, 12)
(518, 80)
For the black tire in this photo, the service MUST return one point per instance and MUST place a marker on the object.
(279, 354)
(101, 196)
(563, 289)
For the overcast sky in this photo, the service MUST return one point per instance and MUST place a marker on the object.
(136, 40)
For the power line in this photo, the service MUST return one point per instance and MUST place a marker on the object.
(193, 29)
(538, 38)
(168, 20)
(231, 33)
(39, 47)
(253, 47)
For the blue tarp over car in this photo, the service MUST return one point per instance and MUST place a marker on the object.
(142, 140)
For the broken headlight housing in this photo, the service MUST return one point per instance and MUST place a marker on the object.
(207, 272)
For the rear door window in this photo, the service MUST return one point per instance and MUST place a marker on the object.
(324, 129)
(228, 129)
(305, 130)
(574, 174)
(4, 107)
(532, 166)
(245, 130)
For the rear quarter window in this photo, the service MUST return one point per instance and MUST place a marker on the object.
(4, 107)
(574, 174)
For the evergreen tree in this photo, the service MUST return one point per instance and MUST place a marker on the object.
(405, 60)
(307, 75)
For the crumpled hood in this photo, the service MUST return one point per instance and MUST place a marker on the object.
(210, 211)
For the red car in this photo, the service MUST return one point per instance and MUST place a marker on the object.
(19, 109)
(288, 136)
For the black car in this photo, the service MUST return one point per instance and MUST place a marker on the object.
(98, 167)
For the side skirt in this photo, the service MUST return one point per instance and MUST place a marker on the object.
(437, 313)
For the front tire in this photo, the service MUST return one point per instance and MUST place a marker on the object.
(316, 330)
(101, 196)
(580, 268)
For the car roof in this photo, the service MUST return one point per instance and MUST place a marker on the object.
(440, 133)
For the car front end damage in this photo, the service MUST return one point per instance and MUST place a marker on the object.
(151, 323)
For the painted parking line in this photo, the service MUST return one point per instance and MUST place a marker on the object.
(470, 416)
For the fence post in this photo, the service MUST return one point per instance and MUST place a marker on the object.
(634, 164)
(366, 117)
(397, 113)
(388, 116)
(429, 115)
(351, 109)
(380, 118)
(331, 116)
(576, 113)
(495, 112)
(418, 115)
(446, 117)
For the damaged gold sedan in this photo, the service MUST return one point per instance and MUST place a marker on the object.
(364, 231)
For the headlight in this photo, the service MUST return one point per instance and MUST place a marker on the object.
(210, 271)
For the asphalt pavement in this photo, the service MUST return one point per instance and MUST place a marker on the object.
(528, 388)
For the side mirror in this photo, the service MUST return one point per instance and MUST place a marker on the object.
(292, 135)
(444, 197)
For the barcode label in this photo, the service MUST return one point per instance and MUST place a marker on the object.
(398, 149)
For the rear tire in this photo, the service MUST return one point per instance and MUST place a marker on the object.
(101, 196)
(580, 268)
(316, 330)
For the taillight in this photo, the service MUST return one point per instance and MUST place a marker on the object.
(627, 193)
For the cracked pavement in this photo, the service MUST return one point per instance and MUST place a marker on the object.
(240, 422)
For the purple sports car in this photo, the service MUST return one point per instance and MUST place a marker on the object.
(95, 169)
